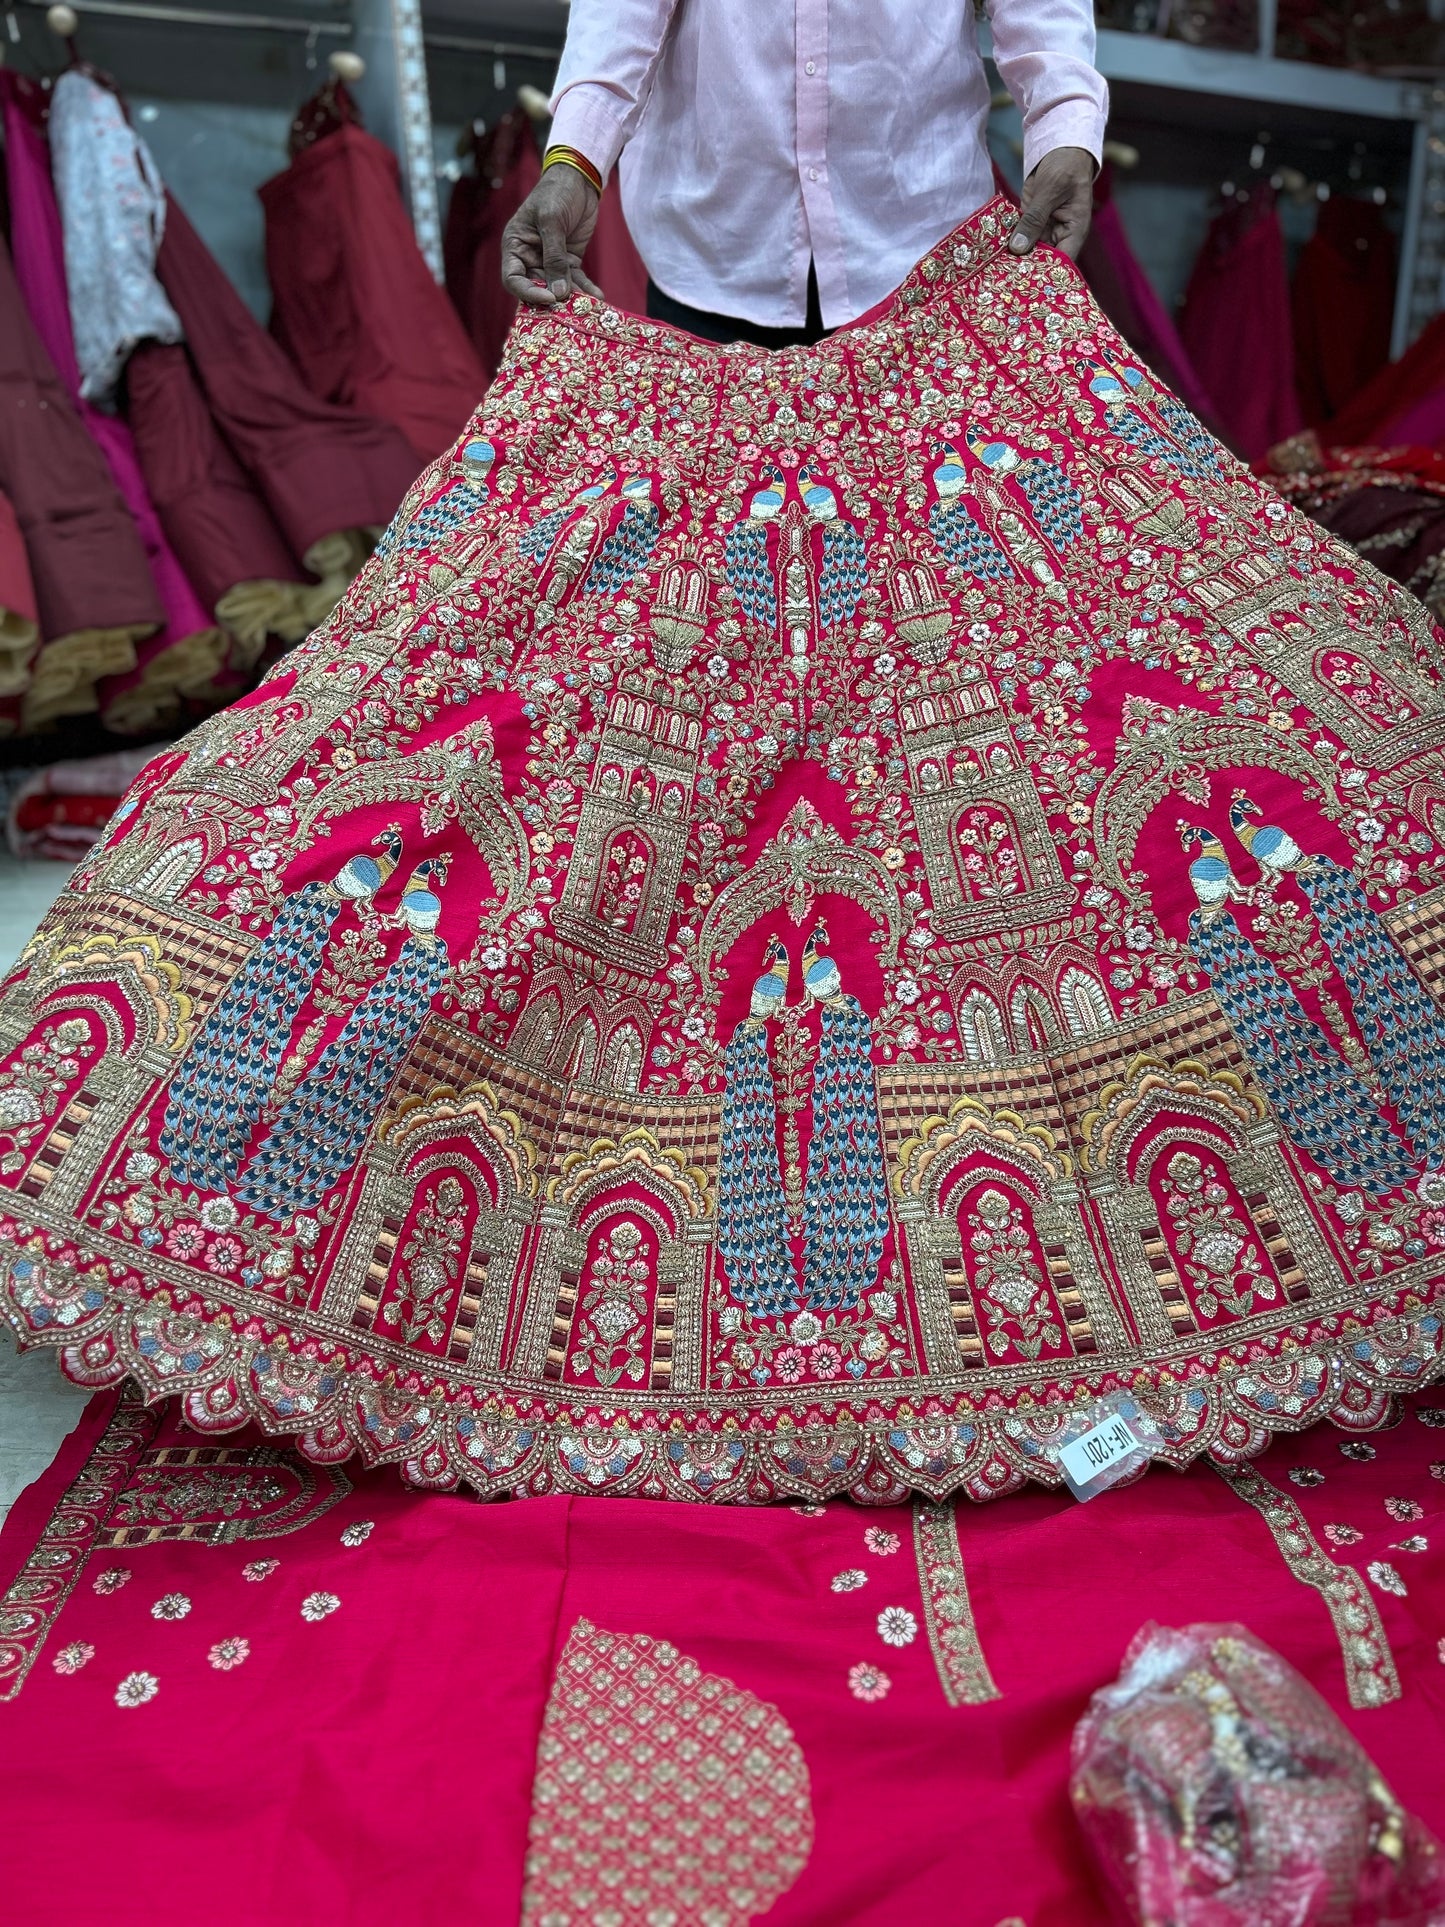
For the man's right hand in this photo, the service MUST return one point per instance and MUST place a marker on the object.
(543, 243)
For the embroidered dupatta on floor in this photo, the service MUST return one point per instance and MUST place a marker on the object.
(807, 914)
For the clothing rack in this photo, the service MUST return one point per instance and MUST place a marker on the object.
(460, 43)
(205, 17)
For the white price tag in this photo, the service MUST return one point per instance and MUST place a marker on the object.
(1095, 1451)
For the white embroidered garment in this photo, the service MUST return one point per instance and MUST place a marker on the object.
(112, 208)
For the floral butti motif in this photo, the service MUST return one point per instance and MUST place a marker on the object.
(807, 912)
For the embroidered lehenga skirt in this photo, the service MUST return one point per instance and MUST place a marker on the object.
(808, 915)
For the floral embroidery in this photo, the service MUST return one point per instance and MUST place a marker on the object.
(1306, 1475)
(1370, 1675)
(850, 1580)
(316, 1605)
(808, 1511)
(1343, 1535)
(1437, 1468)
(1385, 1577)
(1357, 1450)
(257, 1569)
(1432, 1415)
(136, 1688)
(662, 1792)
(871, 1683)
(71, 1658)
(788, 774)
(358, 1532)
(1404, 1511)
(947, 1610)
(227, 1654)
(880, 1541)
(897, 1626)
(1417, 1542)
(173, 1605)
(111, 1580)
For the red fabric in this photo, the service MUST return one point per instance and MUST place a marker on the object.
(506, 167)
(612, 260)
(320, 468)
(355, 304)
(1236, 324)
(217, 522)
(17, 589)
(1344, 303)
(1408, 395)
(89, 567)
(186, 651)
(1122, 289)
(304, 1776)
(496, 951)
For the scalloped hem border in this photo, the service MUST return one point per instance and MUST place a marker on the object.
(1352, 1376)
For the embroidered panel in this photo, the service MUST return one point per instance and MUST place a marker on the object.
(40, 1589)
(806, 912)
(1370, 1675)
(962, 1669)
(662, 1792)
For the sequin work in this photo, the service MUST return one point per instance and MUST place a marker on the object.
(806, 913)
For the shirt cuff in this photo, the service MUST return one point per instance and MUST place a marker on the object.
(1073, 123)
(591, 118)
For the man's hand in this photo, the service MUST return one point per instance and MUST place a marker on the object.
(547, 237)
(1058, 202)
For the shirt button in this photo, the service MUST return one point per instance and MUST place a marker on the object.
(812, 173)
(811, 68)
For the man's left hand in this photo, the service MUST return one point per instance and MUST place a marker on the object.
(1058, 202)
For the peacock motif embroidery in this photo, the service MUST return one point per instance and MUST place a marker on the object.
(217, 1097)
(320, 1129)
(1324, 1105)
(843, 1208)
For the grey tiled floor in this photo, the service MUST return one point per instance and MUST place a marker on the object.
(38, 1406)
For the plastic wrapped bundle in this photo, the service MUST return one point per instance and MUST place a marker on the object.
(1217, 1789)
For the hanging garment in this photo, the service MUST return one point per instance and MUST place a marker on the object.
(181, 660)
(19, 614)
(221, 528)
(93, 590)
(1124, 291)
(1236, 324)
(806, 911)
(612, 260)
(113, 205)
(356, 307)
(505, 168)
(210, 1643)
(1405, 403)
(327, 474)
(1388, 504)
(1344, 304)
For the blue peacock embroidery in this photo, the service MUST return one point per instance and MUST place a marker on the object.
(752, 1222)
(844, 575)
(319, 1132)
(1056, 501)
(961, 537)
(457, 505)
(220, 1091)
(1322, 1104)
(1183, 443)
(630, 545)
(845, 1198)
(845, 1204)
(745, 551)
(1402, 1028)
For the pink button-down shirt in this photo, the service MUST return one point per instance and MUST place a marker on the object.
(761, 133)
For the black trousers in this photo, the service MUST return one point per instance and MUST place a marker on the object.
(722, 327)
